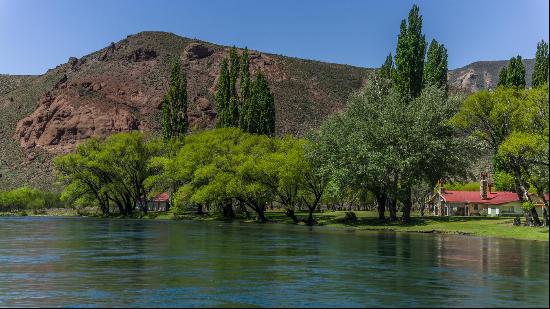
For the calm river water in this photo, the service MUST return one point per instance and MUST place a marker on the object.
(99, 262)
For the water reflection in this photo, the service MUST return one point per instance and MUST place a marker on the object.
(97, 262)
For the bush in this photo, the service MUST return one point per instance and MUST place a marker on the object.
(27, 198)
(350, 217)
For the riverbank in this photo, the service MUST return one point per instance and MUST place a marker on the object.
(366, 220)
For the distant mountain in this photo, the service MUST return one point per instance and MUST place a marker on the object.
(120, 88)
(483, 75)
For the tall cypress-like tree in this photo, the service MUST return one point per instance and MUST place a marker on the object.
(174, 105)
(262, 107)
(245, 115)
(435, 70)
(387, 68)
(223, 96)
(409, 56)
(503, 77)
(234, 67)
(516, 73)
(540, 71)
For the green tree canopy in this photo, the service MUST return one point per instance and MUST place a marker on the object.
(174, 105)
(540, 70)
(409, 55)
(435, 70)
(109, 172)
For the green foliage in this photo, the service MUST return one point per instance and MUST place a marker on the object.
(387, 69)
(262, 108)
(245, 114)
(513, 122)
(460, 186)
(27, 198)
(385, 144)
(108, 172)
(221, 167)
(174, 105)
(513, 75)
(503, 77)
(527, 206)
(540, 71)
(409, 55)
(435, 70)
(223, 96)
(503, 181)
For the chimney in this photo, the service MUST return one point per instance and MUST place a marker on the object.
(441, 187)
(483, 186)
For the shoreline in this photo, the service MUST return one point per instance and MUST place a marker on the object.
(494, 227)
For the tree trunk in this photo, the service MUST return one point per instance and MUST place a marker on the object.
(531, 216)
(289, 212)
(228, 210)
(200, 210)
(392, 205)
(310, 220)
(381, 200)
(407, 205)
(261, 216)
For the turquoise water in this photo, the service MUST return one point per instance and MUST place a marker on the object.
(101, 262)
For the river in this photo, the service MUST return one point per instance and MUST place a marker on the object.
(53, 261)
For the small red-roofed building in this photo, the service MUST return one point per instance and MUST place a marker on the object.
(482, 202)
(159, 202)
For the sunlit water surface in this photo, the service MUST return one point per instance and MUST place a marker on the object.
(100, 262)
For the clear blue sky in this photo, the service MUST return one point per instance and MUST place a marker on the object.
(36, 35)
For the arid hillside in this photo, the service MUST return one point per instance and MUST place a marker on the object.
(120, 88)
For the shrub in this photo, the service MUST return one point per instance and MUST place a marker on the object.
(350, 217)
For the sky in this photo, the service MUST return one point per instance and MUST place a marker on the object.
(37, 35)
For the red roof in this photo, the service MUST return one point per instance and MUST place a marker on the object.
(493, 198)
(161, 197)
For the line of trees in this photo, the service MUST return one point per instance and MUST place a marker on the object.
(27, 198)
(513, 123)
(252, 109)
(398, 136)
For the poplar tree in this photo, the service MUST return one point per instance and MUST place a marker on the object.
(516, 73)
(233, 109)
(245, 115)
(223, 95)
(262, 107)
(174, 105)
(409, 56)
(387, 68)
(435, 70)
(540, 71)
(502, 77)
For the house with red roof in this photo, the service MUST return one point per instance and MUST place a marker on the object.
(159, 202)
(482, 202)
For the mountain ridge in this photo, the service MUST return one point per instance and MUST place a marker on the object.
(120, 88)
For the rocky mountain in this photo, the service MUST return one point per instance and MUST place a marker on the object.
(120, 88)
(483, 75)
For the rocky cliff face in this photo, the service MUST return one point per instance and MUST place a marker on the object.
(120, 88)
